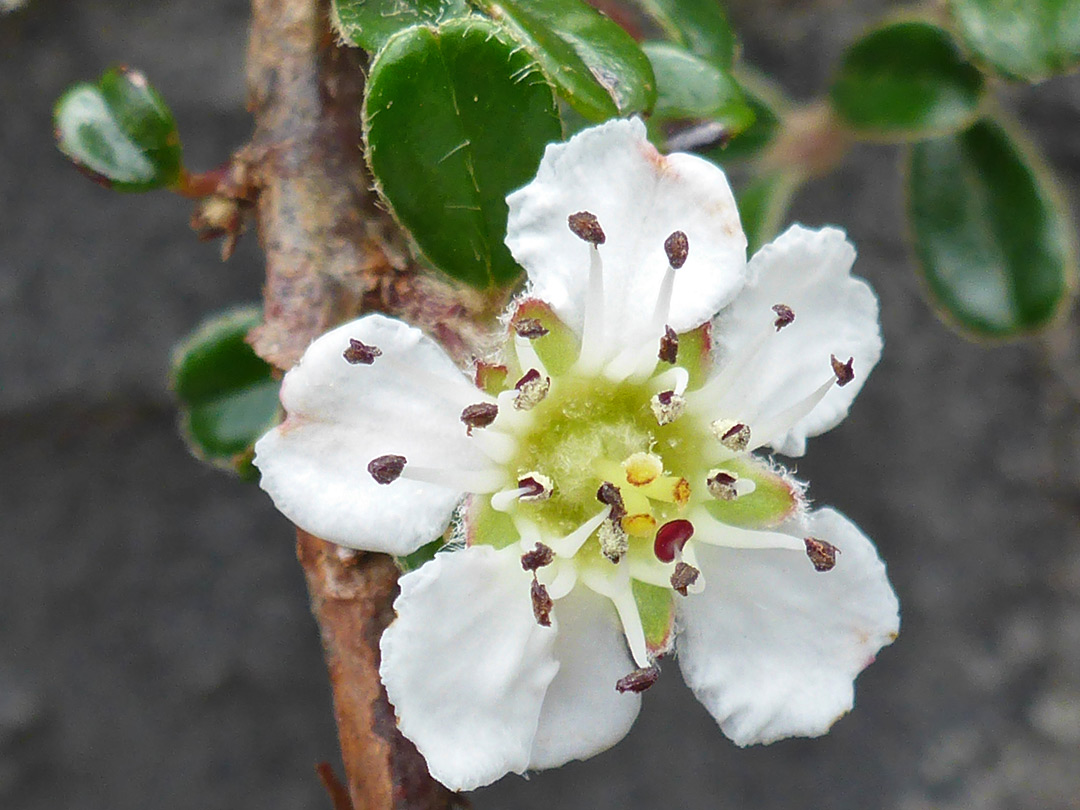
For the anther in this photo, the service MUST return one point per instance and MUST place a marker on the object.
(539, 487)
(669, 346)
(639, 680)
(613, 540)
(721, 485)
(386, 469)
(531, 389)
(784, 316)
(735, 436)
(586, 226)
(479, 416)
(667, 406)
(530, 328)
(537, 558)
(670, 539)
(609, 494)
(360, 353)
(845, 372)
(683, 577)
(677, 246)
(541, 603)
(821, 554)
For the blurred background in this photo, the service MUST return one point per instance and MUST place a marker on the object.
(156, 648)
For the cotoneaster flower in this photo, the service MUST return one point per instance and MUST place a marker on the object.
(603, 478)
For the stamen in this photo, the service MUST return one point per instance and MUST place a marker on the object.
(735, 436)
(537, 558)
(530, 328)
(531, 390)
(821, 554)
(683, 577)
(479, 482)
(501, 501)
(784, 316)
(639, 680)
(541, 603)
(537, 486)
(767, 429)
(609, 494)
(360, 353)
(721, 485)
(613, 540)
(674, 379)
(641, 468)
(564, 581)
(479, 416)
(498, 446)
(667, 406)
(669, 489)
(527, 356)
(669, 346)
(670, 539)
(386, 469)
(570, 545)
(586, 227)
(677, 246)
(845, 372)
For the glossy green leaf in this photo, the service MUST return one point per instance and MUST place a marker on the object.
(119, 132)
(656, 606)
(993, 241)
(698, 25)
(1022, 39)
(907, 79)
(763, 205)
(228, 394)
(455, 118)
(688, 87)
(370, 23)
(754, 139)
(773, 500)
(592, 62)
(424, 554)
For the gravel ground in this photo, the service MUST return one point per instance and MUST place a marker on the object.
(155, 644)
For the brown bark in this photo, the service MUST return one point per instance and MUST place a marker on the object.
(331, 253)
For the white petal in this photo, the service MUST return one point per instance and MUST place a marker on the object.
(583, 714)
(771, 647)
(640, 197)
(341, 416)
(835, 313)
(466, 666)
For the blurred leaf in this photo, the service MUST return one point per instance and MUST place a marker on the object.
(993, 241)
(119, 132)
(592, 62)
(1022, 39)
(455, 118)
(763, 205)
(688, 87)
(369, 23)
(699, 25)
(424, 554)
(754, 139)
(907, 79)
(228, 395)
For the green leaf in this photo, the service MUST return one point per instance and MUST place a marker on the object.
(775, 498)
(228, 394)
(907, 80)
(424, 554)
(592, 62)
(119, 132)
(656, 607)
(763, 205)
(456, 118)
(1022, 39)
(752, 140)
(688, 87)
(993, 240)
(698, 25)
(370, 23)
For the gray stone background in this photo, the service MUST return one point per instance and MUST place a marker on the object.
(155, 644)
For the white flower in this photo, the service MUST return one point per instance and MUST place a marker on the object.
(603, 475)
